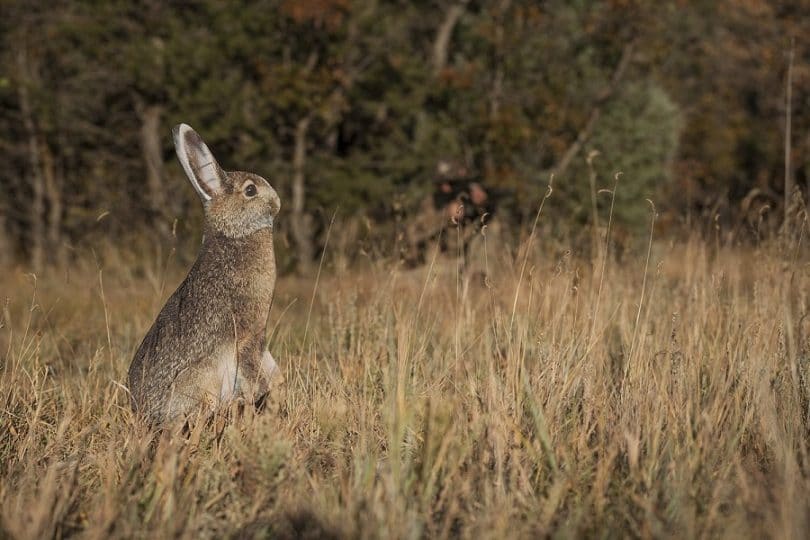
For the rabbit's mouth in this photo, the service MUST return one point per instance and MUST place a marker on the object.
(266, 221)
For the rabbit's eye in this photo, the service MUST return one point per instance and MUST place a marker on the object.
(250, 190)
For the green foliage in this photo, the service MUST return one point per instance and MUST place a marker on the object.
(637, 136)
(702, 95)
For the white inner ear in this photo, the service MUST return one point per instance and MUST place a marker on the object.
(198, 162)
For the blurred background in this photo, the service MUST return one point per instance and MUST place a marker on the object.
(377, 113)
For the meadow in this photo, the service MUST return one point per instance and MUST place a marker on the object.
(661, 394)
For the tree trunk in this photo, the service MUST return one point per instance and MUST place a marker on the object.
(496, 92)
(37, 208)
(788, 170)
(5, 244)
(53, 195)
(152, 154)
(300, 221)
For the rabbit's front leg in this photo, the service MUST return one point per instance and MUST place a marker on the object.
(256, 376)
(268, 366)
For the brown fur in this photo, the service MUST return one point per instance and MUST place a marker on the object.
(205, 347)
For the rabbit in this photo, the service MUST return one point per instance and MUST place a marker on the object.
(207, 346)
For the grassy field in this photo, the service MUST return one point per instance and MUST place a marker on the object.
(562, 396)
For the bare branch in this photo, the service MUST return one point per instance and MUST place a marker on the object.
(587, 130)
(445, 32)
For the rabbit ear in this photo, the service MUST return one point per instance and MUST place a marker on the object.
(197, 160)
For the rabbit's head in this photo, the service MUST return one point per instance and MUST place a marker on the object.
(236, 203)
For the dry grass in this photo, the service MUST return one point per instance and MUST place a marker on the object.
(424, 404)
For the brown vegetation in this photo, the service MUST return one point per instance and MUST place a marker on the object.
(667, 397)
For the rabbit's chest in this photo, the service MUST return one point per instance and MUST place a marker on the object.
(250, 311)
